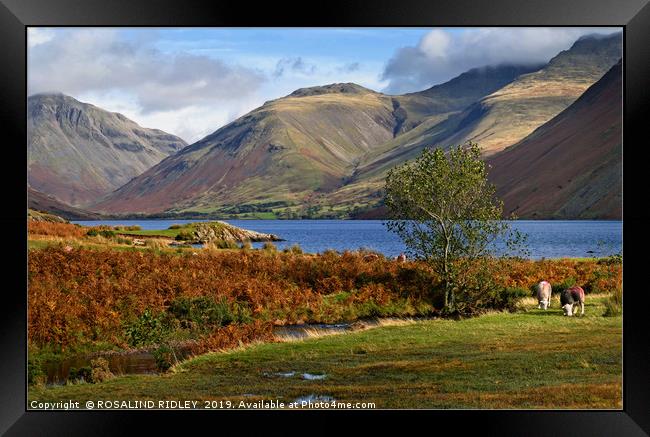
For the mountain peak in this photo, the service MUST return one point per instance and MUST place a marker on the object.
(485, 79)
(334, 88)
(598, 37)
(78, 152)
(588, 51)
(56, 97)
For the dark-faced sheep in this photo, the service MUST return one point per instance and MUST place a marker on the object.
(570, 297)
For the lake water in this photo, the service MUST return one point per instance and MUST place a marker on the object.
(546, 238)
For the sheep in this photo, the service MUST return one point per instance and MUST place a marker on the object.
(570, 297)
(543, 291)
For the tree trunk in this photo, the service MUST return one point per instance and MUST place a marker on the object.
(449, 297)
(446, 296)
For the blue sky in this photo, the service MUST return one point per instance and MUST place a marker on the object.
(191, 81)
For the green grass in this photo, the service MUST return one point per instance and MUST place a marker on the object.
(165, 233)
(528, 359)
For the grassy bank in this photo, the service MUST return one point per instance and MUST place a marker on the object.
(526, 359)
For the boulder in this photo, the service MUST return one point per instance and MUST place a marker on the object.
(221, 231)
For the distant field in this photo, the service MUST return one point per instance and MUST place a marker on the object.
(167, 233)
(527, 359)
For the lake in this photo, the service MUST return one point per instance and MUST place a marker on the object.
(546, 238)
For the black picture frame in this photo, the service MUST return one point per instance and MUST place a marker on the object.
(16, 15)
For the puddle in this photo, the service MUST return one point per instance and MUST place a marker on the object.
(306, 376)
(136, 362)
(312, 377)
(296, 332)
(313, 400)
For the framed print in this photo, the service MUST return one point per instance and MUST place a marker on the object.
(373, 212)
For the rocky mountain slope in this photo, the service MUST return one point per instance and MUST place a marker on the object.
(570, 167)
(78, 152)
(42, 202)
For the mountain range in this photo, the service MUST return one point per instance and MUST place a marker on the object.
(78, 152)
(324, 151)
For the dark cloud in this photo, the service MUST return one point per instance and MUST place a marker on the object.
(294, 65)
(351, 67)
(77, 61)
(441, 55)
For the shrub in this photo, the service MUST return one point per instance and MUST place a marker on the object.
(296, 249)
(201, 313)
(225, 244)
(616, 258)
(81, 374)
(35, 374)
(559, 287)
(246, 245)
(416, 281)
(241, 312)
(99, 370)
(165, 357)
(185, 236)
(146, 329)
(614, 304)
(122, 240)
(507, 298)
(106, 233)
(55, 229)
(268, 246)
(155, 244)
(175, 226)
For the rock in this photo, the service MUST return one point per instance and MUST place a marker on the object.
(221, 231)
(67, 249)
(40, 216)
(179, 244)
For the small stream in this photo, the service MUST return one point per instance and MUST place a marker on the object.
(119, 363)
(144, 362)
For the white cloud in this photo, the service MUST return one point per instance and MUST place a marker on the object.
(435, 44)
(100, 62)
(36, 36)
(191, 122)
(443, 54)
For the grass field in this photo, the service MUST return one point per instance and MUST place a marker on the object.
(165, 233)
(526, 359)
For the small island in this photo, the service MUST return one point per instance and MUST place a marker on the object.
(202, 233)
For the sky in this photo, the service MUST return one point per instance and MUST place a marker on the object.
(191, 81)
